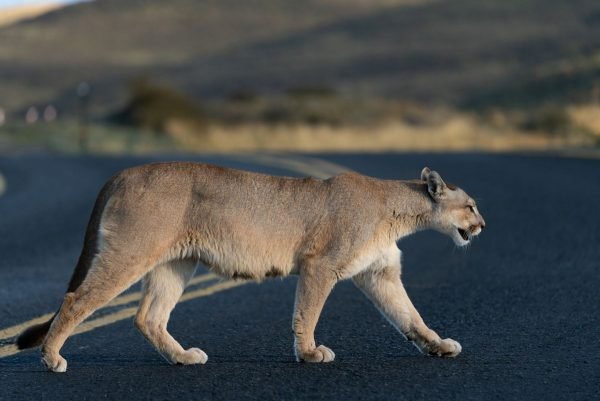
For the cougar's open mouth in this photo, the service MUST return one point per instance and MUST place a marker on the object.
(464, 234)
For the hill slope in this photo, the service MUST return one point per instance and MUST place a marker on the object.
(459, 52)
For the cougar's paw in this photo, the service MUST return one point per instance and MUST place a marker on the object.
(192, 356)
(317, 355)
(447, 348)
(54, 363)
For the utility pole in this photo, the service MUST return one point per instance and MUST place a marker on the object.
(83, 95)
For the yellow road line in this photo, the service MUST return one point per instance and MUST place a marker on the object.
(125, 313)
(135, 296)
(316, 167)
(202, 292)
(131, 311)
(122, 300)
(16, 329)
(8, 350)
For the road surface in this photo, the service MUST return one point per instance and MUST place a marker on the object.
(523, 299)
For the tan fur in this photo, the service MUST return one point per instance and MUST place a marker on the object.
(159, 220)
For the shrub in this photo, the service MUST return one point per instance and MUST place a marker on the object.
(550, 119)
(311, 91)
(152, 106)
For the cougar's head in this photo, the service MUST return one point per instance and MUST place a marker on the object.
(455, 212)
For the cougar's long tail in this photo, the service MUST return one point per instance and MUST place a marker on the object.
(34, 335)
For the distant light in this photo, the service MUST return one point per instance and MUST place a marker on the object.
(2, 116)
(50, 113)
(32, 115)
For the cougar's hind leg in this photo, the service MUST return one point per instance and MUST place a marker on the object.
(108, 277)
(163, 287)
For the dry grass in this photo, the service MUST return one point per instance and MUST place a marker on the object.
(460, 133)
(587, 117)
(434, 130)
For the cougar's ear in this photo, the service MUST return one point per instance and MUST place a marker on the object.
(425, 173)
(435, 185)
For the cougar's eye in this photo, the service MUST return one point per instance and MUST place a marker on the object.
(471, 208)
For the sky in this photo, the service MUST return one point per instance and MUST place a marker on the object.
(12, 3)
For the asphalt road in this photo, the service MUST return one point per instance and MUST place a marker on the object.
(523, 299)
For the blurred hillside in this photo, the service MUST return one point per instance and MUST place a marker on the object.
(463, 53)
(223, 75)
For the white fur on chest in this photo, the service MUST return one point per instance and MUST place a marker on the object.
(374, 259)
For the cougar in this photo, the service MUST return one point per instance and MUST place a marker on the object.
(156, 222)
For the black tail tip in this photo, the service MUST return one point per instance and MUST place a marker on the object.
(33, 336)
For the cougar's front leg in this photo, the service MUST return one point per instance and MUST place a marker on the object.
(384, 288)
(313, 288)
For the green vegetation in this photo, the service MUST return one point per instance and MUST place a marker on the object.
(63, 136)
(152, 107)
(551, 119)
